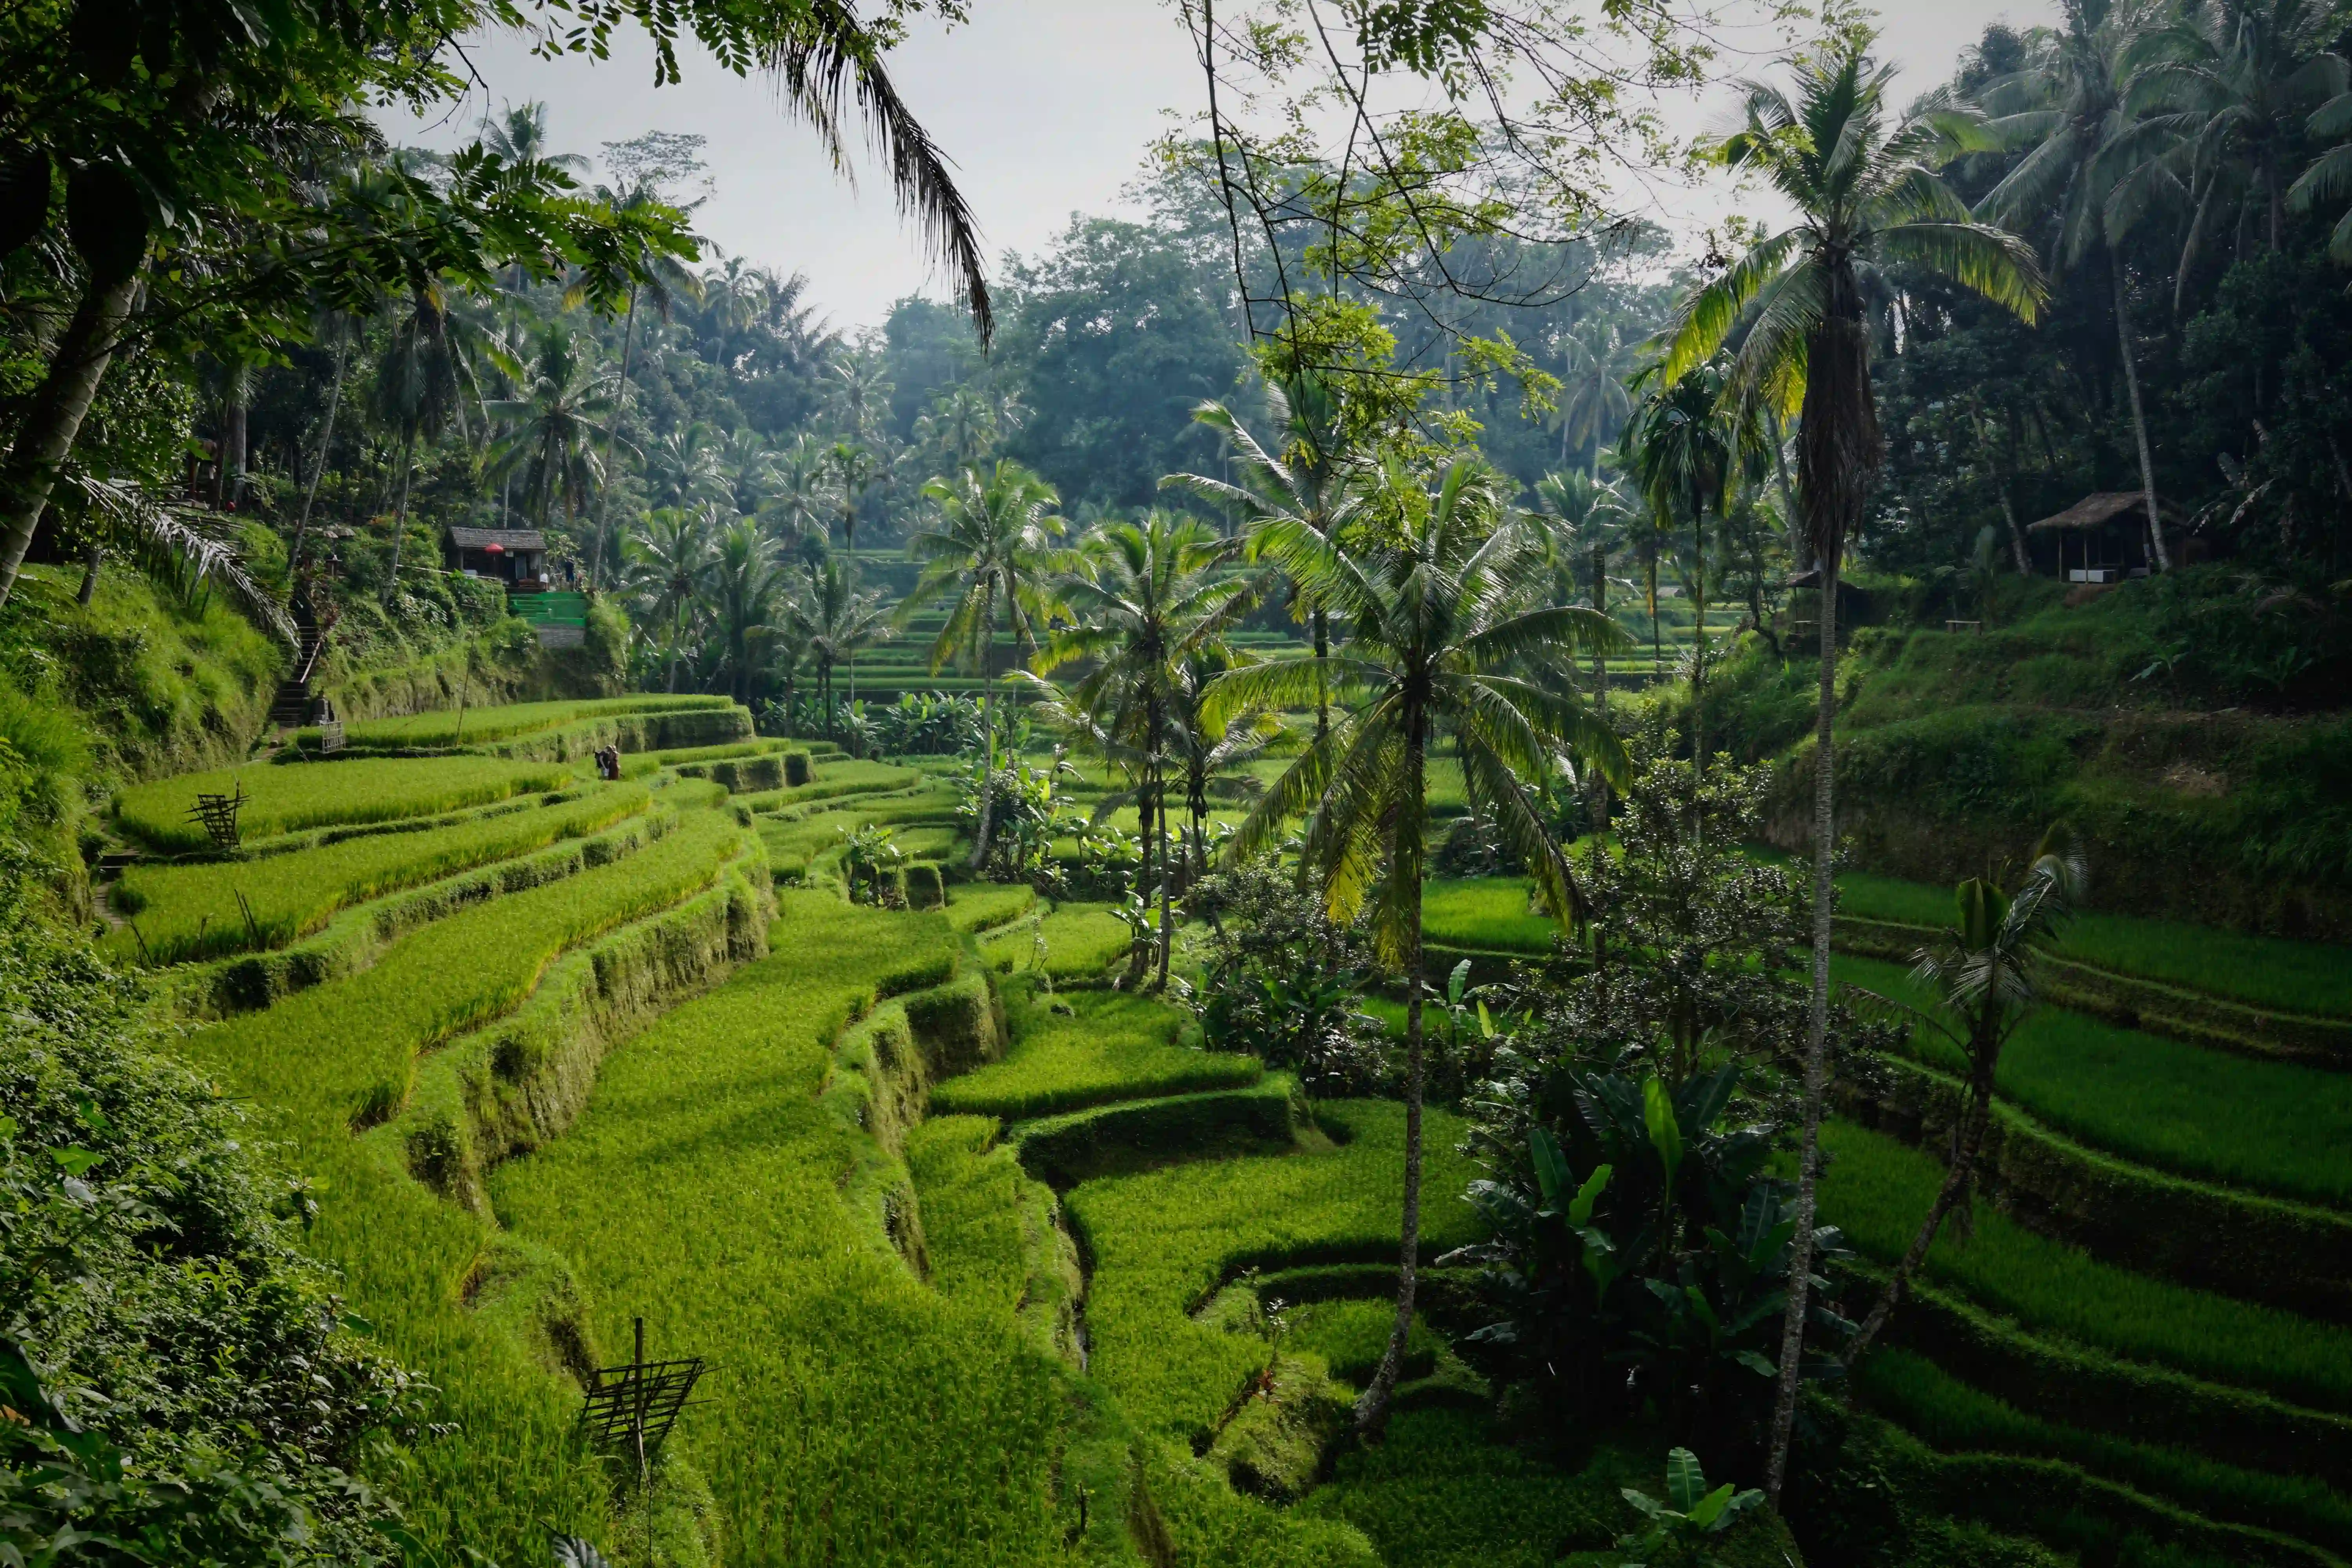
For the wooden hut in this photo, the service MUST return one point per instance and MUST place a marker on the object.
(514, 556)
(2102, 538)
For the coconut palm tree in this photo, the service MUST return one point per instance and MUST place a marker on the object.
(799, 502)
(670, 567)
(683, 469)
(747, 584)
(2235, 84)
(1144, 599)
(746, 467)
(2094, 170)
(830, 622)
(1865, 193)
(425, 382)
(851, 469)
(991, 549)
(551, 424)
(1430, 646)
(1593, 401)
(1306, 477)
(1983, 972)
(1681, 444)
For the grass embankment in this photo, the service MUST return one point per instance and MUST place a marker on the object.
(1163, 1240)
(1950, 1415)
(1112, 1047)
(1080, 941)
(191, 911)
(2271, 1127)
(506, 1467)
(287, 798)
(480, 726)
(1878, 1189)
(858, 1416)
(982, 906)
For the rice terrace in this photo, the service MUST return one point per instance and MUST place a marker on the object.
(1466, 784)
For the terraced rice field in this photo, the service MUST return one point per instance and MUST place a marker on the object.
(289, 797)
(1070, 1293)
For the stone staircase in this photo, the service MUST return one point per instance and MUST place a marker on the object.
(294, 706)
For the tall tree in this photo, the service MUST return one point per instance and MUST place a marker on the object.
(1865, 193)
(2094, 170)
(1306, 479)
(1146, 598)
(1431, 644)
(551, 424)
(991, 550)
(747, 582)
(425, 382)
(670, 567)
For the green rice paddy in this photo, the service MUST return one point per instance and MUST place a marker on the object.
(2270, 1126)
(287, 798)
(906, 1363)
(1109, 1047)
(1878, 1190)
(191, 911)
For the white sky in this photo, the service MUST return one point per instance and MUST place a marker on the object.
(1045, 106)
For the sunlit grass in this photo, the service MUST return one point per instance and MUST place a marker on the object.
(287, 798)
(191, 911)
(1113, 1046)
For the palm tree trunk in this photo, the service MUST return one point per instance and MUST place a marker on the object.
(1167, 876)
(1788, 493)
(613, 430)
(400, 514)
(1657, 641)
(2140, 419)
(53, 417)
(92, 559)
(1372, 1409)
(1817, 1031)
(1599, 684)
(1969, 1139)
(326, 444)
(1322, 685)
(987, 729)
(1698, 653)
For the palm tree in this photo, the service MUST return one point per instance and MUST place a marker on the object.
(852, 470)
(682, 469)
(665, 279)
(424, 382)
(1583, 521)
(2236, 83)
(2091, 173)
(1681, 443)
(551, 424)
(747, 467)
(1983, 972)
(1145, 597)
(800, 501)
(832, 622)
(747, 581)
(1305, 478)
(1592, 397)
(672, 563)
(1430, 646)
(1864, 196)
(991, 549)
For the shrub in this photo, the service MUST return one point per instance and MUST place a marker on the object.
(1281, 980)
(796, 769)
(925, 888)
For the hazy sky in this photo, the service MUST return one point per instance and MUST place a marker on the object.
(1045, 106)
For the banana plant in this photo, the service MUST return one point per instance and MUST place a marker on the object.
(1682, 1526)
